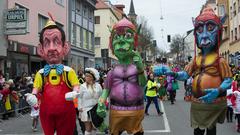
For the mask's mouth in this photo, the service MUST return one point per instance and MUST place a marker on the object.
(205, 43)
(122, 49)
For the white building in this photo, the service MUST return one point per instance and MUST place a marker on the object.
(106, 16)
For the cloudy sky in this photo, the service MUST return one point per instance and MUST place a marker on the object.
(177, 16)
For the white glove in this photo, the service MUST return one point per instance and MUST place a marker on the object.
(31, 99)
(71, 95)
(158, 85)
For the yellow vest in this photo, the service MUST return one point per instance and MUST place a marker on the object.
(151, 92)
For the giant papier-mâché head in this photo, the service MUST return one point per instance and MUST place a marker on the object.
(208, 30)
(53, 46)
(123, 39)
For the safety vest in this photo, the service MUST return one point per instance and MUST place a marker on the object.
(151, 92)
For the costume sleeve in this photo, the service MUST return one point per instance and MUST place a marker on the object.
(108, 81)
(80, 98)
(189, 68)
(72, 77)
(38, 82)
(225, 70)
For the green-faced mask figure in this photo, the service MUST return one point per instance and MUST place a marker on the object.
(124, 83)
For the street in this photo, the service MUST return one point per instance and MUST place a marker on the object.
(175, 121)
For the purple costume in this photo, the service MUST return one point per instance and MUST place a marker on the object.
(125, 92)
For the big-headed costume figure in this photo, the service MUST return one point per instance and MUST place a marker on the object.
(211, 75)
(55, 82)
(124, 83)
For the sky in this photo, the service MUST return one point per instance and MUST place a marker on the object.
(177, 16)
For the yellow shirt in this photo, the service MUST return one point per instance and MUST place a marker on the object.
(54, 79)
(151, 92)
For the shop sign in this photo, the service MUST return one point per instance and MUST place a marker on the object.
(15, 21)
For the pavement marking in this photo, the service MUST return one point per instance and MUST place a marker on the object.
(166, 124)
(165, 120)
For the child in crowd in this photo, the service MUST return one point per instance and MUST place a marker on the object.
(35, 115)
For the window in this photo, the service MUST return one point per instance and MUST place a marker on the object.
(42, 20)
(97, 41)
(85, 39)
(231, 12)
(78, 7)
(60, 2)
(97, 19)
(73, 5)
(78, 36)
(234, 9)
(85, 11)
(232, 35)
(221, 10)
(19, 6)
(91, 46)
(73, 34)
(91, 15)
(235, 34)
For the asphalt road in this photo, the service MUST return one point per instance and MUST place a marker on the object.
(175, 121)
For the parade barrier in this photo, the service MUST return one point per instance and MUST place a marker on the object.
(16, 108)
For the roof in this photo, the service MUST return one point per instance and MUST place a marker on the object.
(101, 4)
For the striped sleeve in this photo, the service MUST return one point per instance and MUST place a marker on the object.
(224, 68)
(189, 68)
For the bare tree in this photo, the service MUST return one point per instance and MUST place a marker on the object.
(146, 32)
(177, 46)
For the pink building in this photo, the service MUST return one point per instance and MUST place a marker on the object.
(21, 53)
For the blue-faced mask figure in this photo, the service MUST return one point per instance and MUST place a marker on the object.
(207, 28)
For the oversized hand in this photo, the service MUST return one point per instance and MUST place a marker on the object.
(137, 59)
(71, 95)
(101, 110)
(211, 95)
(162, 70)
(31, 99)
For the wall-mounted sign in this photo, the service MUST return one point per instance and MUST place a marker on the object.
(15, 21)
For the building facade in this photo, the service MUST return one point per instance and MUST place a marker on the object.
(234, 41)
(21, 52)
(222, 10)
(81, 33)
(106, 16)
(3, 39)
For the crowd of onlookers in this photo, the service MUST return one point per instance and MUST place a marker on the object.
(233, 98)
(12, 100)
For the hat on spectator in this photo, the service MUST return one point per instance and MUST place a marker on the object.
(93, 72)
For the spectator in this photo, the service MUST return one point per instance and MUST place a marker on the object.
(88, 99)
(151, 94)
